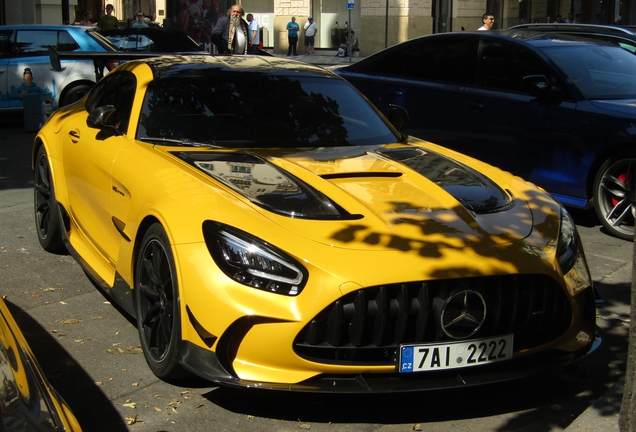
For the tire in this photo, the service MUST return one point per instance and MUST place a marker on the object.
(614, 196)
(47, 214)
(157, 304)
(75, 93)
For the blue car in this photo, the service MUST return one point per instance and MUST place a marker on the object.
(25, 67)
(558, 110)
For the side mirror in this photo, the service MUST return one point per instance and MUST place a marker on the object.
(539, 86)
(100, 118)
(398, 116)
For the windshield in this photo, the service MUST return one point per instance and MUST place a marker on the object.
(599, 72)
(241, 109)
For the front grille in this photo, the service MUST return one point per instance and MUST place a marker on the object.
(366, 327)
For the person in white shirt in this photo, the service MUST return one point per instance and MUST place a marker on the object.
(310, 35)
(488, 21)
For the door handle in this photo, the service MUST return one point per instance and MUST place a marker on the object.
(75, 136)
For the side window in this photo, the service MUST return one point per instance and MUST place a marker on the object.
(34, 42)
(449, 60)
(117, 89)
(66, 42)
(393, 64)
(5, 42)
(503, 66)
(37, 42)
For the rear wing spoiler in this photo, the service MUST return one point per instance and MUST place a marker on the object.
(100, 59)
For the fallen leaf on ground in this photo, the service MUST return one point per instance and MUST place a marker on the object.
(130, 404)
(70, 321)
(131, 420)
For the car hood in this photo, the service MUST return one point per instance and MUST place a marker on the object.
(623, 106)
(404, 191)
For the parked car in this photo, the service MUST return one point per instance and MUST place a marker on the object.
(25, 66)
(28, 401)
(151, 40)
(622, 36)
(555, 109)
(268, 228)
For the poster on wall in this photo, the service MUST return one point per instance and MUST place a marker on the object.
(197, 19)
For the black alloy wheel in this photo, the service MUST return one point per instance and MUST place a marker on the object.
(157, 303)
(615, 196)
(47, 215)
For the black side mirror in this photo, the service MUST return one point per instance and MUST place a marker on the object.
(102, 118)
(398, 116)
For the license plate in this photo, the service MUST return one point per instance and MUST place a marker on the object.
(452, 355)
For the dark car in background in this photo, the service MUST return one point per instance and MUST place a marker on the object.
(558, 110)
(622, 36)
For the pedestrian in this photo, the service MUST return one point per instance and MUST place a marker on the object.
(310, 35)
(87, 19)
(488, 20)
(140, 21)
(108, 21)
(292, 36)
(230, 32)
(253, 35)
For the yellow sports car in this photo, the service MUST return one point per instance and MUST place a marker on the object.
(267, 227)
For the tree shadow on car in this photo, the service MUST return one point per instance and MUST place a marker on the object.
(91, 407)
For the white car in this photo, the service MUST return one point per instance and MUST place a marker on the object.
(25, 67)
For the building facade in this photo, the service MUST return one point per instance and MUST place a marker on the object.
(377, 23)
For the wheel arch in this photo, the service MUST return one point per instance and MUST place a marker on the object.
(617, 148)
(72, 86)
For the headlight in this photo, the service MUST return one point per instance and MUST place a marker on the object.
(568, 244)
(253, 262)
(571, 257)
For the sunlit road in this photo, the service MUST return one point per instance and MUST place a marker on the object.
(90, 350)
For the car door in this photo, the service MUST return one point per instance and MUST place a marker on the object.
(508, 125)
(30, 53)
(5, 47)
(88, 157)
(427, 78)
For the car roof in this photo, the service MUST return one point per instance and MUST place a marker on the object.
(578, 28)
(199, 65)
(536, 38)
(41, 27)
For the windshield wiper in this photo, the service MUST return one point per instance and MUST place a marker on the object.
(180, 142)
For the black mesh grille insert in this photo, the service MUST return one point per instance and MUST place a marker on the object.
(366, 327)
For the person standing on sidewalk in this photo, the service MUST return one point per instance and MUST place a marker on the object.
(253, 35)
(310, 35)
(292, 36)
(108, 21)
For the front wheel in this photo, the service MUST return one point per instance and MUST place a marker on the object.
(47, 214)
(157, 303)
(615, 196)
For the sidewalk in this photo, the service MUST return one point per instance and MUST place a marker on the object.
(322, 58)
(602, 415)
